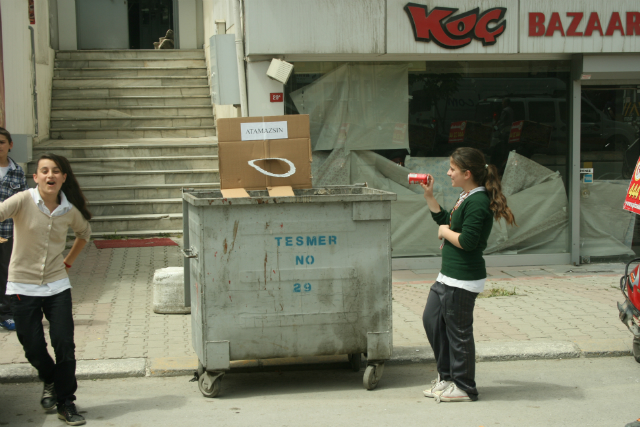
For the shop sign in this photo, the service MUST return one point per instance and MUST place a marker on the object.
(573, 24)
(450, 31)
(632, 201)
(456, 131)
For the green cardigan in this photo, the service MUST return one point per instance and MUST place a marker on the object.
(473, 220)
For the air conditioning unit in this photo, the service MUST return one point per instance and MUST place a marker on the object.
(280, 70)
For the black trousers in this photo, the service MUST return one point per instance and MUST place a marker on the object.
(27, 313)
(5, 302)
(448, 322)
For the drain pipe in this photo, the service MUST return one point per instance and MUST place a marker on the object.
(237, 22)
(33, 74)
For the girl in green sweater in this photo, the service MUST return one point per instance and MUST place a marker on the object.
(448, 315)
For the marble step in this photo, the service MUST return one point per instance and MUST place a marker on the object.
(109, 82)
(131, 101)
(121, 63)
(134, 234)
(138, 163)
(105, 92)
(130, 72)
(160, 111)
(135, 207)
(142, 192)
(130, 122)
(123, 224)
(120, 133)
(128, 148)
(131, 53)
(157, 177)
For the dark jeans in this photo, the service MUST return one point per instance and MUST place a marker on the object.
(5, 302)
(448, 321)
(27, 313)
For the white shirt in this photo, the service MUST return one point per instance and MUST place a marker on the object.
(4, 170)
(476, 286)
(52, 288)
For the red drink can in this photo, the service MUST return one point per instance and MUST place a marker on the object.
(418, 178)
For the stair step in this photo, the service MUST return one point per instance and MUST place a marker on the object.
(121, 224)
(170, 54)
(140, 192)
(135, 207)
(126, 101)
(161, 111)
(129, 148)
(138, 163)
(104, 92)
(184, 177)
(150, 132)
(130, 72)
(140, 234)
(109, 82)
(131, 122)
(122, 63)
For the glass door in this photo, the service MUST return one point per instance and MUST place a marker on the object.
(609, 150)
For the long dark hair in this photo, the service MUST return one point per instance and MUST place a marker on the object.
(472, 160)
(70, 187)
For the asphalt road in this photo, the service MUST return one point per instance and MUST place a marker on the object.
(577, 392)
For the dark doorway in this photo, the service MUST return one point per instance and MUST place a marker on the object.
(148, 21)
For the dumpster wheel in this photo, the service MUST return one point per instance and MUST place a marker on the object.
(372, 375)
(355, 360)
(636, 349)
(209, 383)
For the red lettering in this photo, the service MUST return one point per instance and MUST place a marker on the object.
(575, 21)
(633, 23)
(425, 26)
(593, 24)
(554, 24)
(462, 25)
(536, 24)
(615, 23)
(486, 34)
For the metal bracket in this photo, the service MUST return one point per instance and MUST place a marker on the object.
(189, 253)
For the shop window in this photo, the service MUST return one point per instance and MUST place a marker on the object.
(542, 111)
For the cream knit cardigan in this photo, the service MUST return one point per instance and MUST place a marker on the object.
(39, 239)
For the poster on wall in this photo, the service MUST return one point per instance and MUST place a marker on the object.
(32, 13)
(632, 202)
(3, 122)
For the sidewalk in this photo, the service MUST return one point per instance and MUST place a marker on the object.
(557, 312)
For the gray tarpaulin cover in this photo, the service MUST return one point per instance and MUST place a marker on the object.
(357, 107)
(535, 194)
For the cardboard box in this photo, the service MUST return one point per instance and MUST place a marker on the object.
(245, 139)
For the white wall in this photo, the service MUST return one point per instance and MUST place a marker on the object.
(187, 28)
(45, 57)
(315, 26)
(16, 47)
(259, 88)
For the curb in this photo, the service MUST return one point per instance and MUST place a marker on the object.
(186, 365)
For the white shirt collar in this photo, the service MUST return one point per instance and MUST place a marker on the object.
(64, 207)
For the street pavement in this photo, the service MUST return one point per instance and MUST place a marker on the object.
(557, 312)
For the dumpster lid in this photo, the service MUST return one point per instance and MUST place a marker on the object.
(333, 193)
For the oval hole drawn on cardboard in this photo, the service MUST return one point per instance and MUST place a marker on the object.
(292, 167)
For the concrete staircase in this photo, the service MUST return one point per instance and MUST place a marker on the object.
(137, 126)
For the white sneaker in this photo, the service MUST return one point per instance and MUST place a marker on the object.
(438, 387)
(453, 394)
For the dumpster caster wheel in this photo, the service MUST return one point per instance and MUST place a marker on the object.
(636, 349)
(209, 383)
(372, 375)
(355, 360)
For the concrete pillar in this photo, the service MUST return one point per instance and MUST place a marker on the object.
(67, 32)
(259, 88)
(187, 27)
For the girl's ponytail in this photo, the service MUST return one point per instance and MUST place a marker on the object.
(472, 160)
(70, 187)
(498, 203)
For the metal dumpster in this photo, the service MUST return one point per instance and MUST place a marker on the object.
(308, 275)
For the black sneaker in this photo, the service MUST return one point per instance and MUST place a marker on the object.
(67, 412)
(49, 398)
